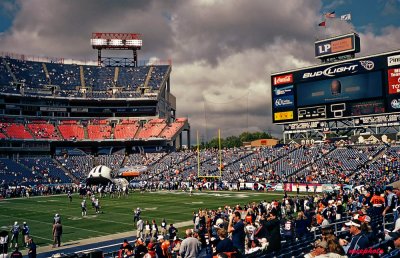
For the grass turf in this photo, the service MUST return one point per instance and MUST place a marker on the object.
(117, 214)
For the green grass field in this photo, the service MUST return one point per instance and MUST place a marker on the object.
(175, 207)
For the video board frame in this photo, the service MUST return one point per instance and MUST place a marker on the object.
(352, 88)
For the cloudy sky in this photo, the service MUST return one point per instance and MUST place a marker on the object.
(223, 51)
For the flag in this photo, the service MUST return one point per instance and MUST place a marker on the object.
(330, 15)
(346, 17)
(323, 24)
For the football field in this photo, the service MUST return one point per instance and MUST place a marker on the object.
(117, 213)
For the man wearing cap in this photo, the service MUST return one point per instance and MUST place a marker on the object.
(157, 247)
(190, 246)
(358, 241)
(396, 238)
(320, 248)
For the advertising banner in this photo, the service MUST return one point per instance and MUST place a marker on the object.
(284, 101)
(280, 116)
(394, 81)
(283, 91)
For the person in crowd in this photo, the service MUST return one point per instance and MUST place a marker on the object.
(358, 241)
(288, 228)
(378, 203)
(172, 231)
(140, 248)
(154, 228)
(175, 246)
(32, 248)
(320, 250)
(16, 253)
(139, 228)
(147, 229)
(190, 246)
(164, 228)
(272, 227)
(224, 244)
(390, 200)
(396, 239)
(57, 233)
(151, 252)
(236, 227)
(301, 224)
(127, 248)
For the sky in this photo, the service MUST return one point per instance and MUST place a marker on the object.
(223, 51)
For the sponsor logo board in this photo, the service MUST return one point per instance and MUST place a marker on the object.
(341, 45)
(394, 81)
(280, 116)
(283, 90)
(282, 79)
(395, 103)
(339, 69)
(284, 101)
(393, 60)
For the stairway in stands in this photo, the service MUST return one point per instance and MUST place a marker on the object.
(148, 77)
(10, 71)
(47, 73)
(116, 73)
(82, 75)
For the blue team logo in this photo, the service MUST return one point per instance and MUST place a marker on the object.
(284, 101)
(283, 91)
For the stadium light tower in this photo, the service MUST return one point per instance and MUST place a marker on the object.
(116, 41)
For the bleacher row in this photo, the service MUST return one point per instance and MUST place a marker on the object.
(68, 78)
(95, 130)
(378, 163)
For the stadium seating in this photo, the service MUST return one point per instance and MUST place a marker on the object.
(68, 77)
(15, 131)
(72, 131)
(126, 130)
(152, 129)
(172, 129)
(99, 132)
(43, 130)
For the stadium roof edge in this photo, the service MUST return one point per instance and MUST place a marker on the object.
(339, 62)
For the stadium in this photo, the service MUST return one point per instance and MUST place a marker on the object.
(95, 162)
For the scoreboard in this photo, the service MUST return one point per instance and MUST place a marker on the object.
(351, 88)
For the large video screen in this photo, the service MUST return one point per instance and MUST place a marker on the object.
(349, 88)
(341, 89)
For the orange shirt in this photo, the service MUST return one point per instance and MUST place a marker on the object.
(377, 200)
